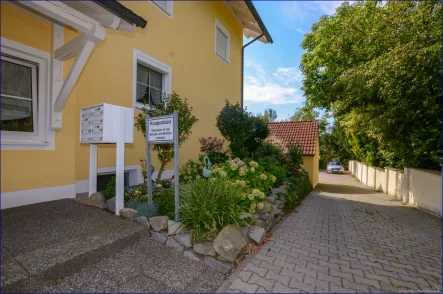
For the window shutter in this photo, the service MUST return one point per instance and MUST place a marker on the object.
(222, 42)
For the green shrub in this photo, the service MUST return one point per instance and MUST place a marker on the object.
(191, 171)
(208, 206)
(137, 194)
(275, 167)
(143, 208)
(109, 192)
(244, 131)
(166, 203)
(248, 172)
(215, 157)
(299, 187)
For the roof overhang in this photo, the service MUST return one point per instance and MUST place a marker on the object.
(248, 17)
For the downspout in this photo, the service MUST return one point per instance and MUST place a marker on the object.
(243, 65)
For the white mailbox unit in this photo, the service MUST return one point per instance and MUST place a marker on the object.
(107, 124)
(98, 124)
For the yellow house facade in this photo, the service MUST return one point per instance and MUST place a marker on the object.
(59, 58)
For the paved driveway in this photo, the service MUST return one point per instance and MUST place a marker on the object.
(347, 238)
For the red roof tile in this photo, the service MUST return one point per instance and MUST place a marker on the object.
(302, 133)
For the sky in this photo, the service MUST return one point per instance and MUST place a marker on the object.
(272, 75)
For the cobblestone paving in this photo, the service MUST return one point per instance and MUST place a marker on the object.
(347, 238)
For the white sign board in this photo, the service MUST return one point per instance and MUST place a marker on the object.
(161, 129)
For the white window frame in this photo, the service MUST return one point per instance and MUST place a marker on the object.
(219, 26)
(157, 65)
(169, 8)
(42, 138)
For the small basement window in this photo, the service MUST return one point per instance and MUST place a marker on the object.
(222, 41)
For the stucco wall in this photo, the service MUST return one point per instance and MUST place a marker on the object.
(395, 182)
(364, 174)
(425, 190)
(23, 169)
(185, 43)
(371, 177)
(380, 180)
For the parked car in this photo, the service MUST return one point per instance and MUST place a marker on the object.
(334, 167)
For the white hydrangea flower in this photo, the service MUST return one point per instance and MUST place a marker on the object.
(262, 195)
(236, 159)
(242, 173)
(256, 192)
(260, 205)
(273, 179)
(198, 177)
(251, 197)
(252, 170)
(223, 174)
(253, 205)
(263, 177)
(234, 166)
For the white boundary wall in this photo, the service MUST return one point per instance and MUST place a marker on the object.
(417, 187)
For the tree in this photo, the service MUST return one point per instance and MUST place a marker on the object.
(244, 130)
(270, 115)
(334, 146)
(169, 103)
(309, 113)
(377, 67)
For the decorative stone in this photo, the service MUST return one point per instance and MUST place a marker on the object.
(244, 215)
(273, 209)
(266, 207)
(280, 204)
(174, 227)
(97, 199)
(263, 216)
(171, 243)
(184, 239)
(189, 253)
(143, 220)
(281, 189)
(271, 198)
(257, 234)
(159, 237)
(204, 248)
(159, 223)
(223, 267)
(110, 204)
(128, 213)
(231, 242)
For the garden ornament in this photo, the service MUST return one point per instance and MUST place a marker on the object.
(207, 165)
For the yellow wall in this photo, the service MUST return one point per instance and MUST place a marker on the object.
(311, 165)
(186, 43)
(22, 169)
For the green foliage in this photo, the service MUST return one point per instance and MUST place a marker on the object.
(248, 173)
(215, 157)
(377, 66)
(271, 158)
(293, 158)
(309, 113)
(212, 147)
(147, 210)
(298, 187)
(109, 192)
(166, 203)
(244, 130)
(191, 171)
(208, 206)
(334, 146)
(137, 194)
(169, 103)
(270, 115)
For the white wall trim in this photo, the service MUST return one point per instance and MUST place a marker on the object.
(221, 27)
(43, 138)
(135, 177)
(169, 8)
(25, 197)
(151, 62)
(166, 175)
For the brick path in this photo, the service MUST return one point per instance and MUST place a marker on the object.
(347, 238)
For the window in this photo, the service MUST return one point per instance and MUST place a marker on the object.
(149, 85)
(166, 6)
(25, 98)
(152, 79)
(222, 41)
(18, 95)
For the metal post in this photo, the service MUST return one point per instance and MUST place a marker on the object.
(176, 178)
(148, 162)
(120, 162)
(92, 169)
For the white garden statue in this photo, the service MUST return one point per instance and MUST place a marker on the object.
(206, 165)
